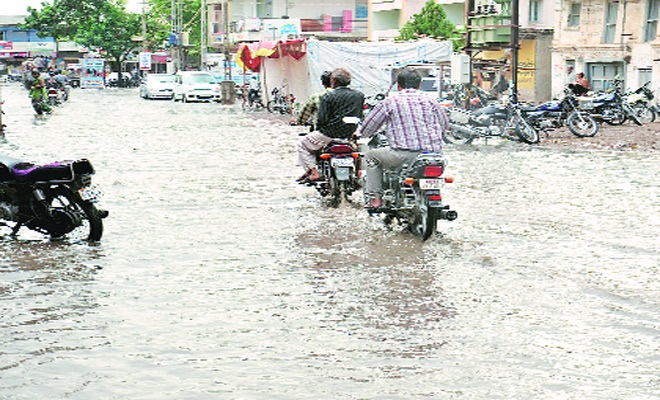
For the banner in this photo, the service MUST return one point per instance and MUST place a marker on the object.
(92, 73)
(145, 61)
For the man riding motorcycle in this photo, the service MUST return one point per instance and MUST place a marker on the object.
(415, 123)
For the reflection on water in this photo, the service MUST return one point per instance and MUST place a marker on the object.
(219, 277)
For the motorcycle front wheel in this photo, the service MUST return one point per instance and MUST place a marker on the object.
(424, 220)
(525, 131)
(74, 218)
(632, 114)
(645, 113)
(582, 125)
(458, 134)
(271, 106)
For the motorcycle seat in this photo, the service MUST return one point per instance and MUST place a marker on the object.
(57, 171)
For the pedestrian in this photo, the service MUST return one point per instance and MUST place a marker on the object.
(414, 124)
(334, 106)
(38, 93)
(253, 90)
(310, 109)
(582, 81)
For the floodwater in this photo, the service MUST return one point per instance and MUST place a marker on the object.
(220, 278)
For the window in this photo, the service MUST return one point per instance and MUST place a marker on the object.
(651, 20)
(574, 14)
(534, 10)
(601, 75)
(611, 15)
(645, 75)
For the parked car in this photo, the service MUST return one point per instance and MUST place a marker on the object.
(196, 86)
(157, 86)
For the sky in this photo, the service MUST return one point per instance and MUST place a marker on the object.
(19, 7)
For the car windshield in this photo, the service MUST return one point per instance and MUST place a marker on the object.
(429, 85)
(164, 79)
(201, 78)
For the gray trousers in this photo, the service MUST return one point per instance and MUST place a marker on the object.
(308, 146)
(380, 158)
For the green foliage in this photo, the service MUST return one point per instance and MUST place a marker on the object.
(431, 22)
(103, 25)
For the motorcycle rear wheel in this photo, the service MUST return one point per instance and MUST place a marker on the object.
(424, 220)
(582, 125)
(78, 219)
(618, 118)
(334, 197)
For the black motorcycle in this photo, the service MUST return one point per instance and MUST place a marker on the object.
(610, 106)
(337, 162)
(412, 193)
(557, 113)
(56, 199)
(495, 120)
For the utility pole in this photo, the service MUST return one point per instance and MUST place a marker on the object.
(204, 34)
(225, 23)
(515, 43)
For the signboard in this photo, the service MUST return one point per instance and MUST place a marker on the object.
(6, 45)
(92, 73)
(145, 61)
(276, 29)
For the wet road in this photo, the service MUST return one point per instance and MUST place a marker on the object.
(219, 278)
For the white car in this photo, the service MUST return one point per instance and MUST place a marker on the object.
(196, 86)
(157, 86)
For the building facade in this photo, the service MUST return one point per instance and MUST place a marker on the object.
(606, 39)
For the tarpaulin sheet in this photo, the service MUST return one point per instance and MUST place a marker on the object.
(250, 55)
(370, 64)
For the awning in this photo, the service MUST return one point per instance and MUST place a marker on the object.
(249, 55)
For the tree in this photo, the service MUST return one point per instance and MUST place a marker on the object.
(103, 25)
(190, 18)
(432, 22)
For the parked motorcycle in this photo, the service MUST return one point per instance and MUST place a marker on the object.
(283, 103)
(557, 113)
(494, 120)
(56, 199)
(412, 193)
(337, 163)
(641, 100)
(610, 106)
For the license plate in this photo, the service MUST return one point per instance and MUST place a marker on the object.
(343, 162)
(91, 193)
(430, 184)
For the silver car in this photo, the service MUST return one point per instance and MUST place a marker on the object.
(157, 86)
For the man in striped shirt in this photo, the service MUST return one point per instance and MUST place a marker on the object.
(414, 123)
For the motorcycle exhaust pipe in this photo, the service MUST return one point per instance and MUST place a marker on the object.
(449, 215)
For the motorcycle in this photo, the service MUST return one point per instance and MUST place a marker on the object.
(337, 163)
(56, 199)
(610, 106)
(280, 102)
(641, 100)
(412, 193)
(494, 120)
(557, 113)
(54, 96)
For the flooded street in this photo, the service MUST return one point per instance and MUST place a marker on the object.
(219, 278)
